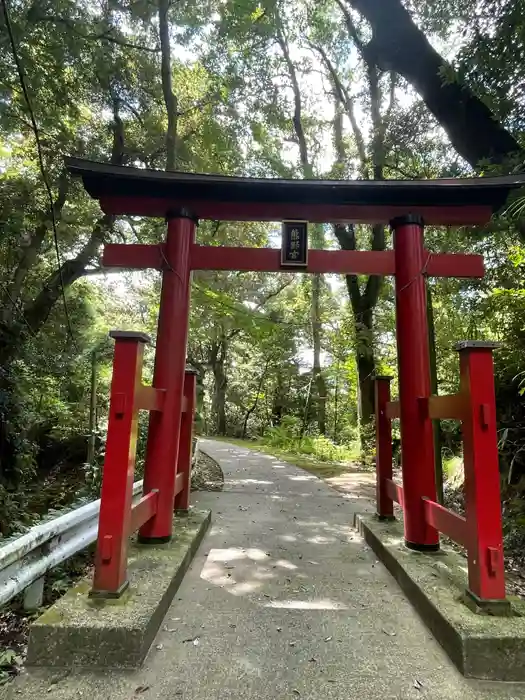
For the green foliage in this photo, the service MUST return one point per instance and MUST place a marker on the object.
(287, 437)
(93, 74)
(10, 661)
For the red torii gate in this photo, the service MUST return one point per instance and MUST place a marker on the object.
(184, 198)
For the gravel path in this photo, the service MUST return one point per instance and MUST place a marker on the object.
(284, 600)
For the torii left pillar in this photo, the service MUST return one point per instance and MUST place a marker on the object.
(170, 361)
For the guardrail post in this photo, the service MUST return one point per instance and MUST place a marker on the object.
(486, 572)
(34, 594)
(384, 504)
(110, 579)
(182, 499)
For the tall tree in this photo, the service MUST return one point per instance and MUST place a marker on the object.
(308, 173)
(397, 44)
(379, 101)
(170, 99)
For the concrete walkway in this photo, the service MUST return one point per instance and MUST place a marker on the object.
(283, 601)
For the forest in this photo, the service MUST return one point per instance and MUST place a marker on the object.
(328, 89)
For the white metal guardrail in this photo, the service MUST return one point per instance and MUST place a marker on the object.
(25, 560)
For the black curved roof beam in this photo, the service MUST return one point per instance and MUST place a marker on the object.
(136, 191)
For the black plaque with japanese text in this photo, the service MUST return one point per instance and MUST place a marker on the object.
(294, 251)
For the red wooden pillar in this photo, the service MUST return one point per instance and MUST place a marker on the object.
(482, 480)
(417, 443)
(384, 504)
(110, 578)
(182, 499)
(170, 360)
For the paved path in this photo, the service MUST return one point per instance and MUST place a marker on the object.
(283, 600)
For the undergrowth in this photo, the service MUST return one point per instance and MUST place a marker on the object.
(287, 437)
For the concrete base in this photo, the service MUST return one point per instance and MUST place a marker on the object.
(480, 645)
(82, 631)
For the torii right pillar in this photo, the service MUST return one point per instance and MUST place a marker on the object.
(417, 440)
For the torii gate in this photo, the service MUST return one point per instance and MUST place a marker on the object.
(184, 198)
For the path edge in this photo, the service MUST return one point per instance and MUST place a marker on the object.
(81, 632)
(480, 646)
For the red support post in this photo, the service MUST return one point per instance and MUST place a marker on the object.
(182, 498)
(384, 504)
(170, 360)
(417, 439)
(482, 480)
(110, 579)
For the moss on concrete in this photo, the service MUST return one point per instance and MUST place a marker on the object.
(481, 646)
(83, 631)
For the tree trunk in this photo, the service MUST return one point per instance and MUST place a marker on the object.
(219, 397)
(217, 355)
(167, 85)
(317, 375)
(336, 401)
(279, 401)
(30, 253)
(256, 401)
(363, 304)
(399, 45)
(365, 371)
(92, 437)
(37, 311)
(200, 418)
